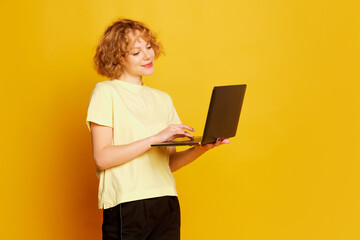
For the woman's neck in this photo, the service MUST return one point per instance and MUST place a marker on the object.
(131, 79)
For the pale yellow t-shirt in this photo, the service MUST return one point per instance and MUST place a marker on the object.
(134, 112)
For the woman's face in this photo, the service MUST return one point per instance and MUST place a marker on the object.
(140, 60)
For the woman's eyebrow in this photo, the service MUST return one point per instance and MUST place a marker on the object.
(134, 49)
(137, 47)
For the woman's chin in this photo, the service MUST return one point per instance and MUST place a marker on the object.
(148, 72)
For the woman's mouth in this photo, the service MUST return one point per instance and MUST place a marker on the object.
(149, 65)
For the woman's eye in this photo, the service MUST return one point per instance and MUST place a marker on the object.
(134, 54)
(149, 46)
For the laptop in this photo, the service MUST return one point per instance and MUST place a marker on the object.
(222, 118)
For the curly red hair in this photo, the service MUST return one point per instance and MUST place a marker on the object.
(114, 46)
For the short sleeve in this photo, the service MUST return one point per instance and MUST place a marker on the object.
(173, 116)
(100, 108)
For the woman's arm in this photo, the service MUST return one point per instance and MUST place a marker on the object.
(107, 155)
(180, 159)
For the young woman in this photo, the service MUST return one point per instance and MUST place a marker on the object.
(136, 187)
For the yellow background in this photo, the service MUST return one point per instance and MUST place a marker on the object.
(292, 172)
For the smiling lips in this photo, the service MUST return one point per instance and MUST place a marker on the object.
(149, 65)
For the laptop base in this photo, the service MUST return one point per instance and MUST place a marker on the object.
(180, 142)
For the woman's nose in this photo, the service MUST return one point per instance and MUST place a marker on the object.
(146, 55)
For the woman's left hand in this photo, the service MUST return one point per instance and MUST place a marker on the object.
(207, 147)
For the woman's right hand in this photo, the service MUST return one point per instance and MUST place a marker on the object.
(173, 131)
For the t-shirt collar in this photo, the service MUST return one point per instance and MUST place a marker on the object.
(130, 86)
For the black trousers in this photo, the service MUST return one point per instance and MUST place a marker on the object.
(148, 219)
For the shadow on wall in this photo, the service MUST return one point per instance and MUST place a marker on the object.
(73, 176)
